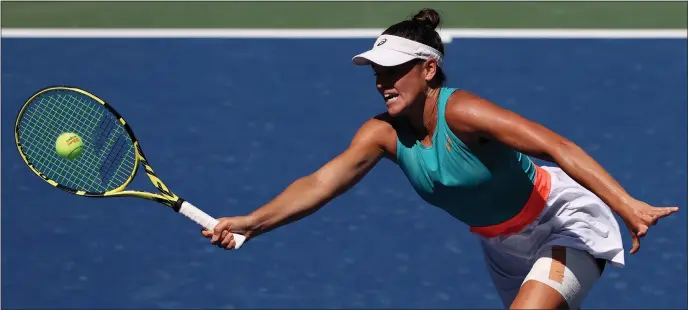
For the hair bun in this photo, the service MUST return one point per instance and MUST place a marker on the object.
(428, 17)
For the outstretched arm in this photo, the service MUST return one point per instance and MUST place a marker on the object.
(475, 115)
(309, 193)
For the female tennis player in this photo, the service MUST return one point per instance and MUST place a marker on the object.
(546, 232)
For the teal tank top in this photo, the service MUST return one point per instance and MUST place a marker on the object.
(480, 186)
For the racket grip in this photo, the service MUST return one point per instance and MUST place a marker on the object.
(207, 221)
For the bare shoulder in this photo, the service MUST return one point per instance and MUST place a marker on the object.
(464, 108)
(379, 131)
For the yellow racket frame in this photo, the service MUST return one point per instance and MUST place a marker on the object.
(164, 195)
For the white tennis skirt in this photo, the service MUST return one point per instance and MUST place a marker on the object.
(573, 218)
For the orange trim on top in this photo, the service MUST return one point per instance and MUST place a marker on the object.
(534, 206)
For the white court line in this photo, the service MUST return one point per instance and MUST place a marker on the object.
(447, 34)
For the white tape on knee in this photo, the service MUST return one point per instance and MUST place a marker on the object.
(573, 280)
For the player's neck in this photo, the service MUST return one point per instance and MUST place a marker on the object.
(425, 121)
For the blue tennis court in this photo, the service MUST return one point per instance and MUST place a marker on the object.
(227, 124)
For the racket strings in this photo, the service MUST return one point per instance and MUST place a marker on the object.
(108, 156)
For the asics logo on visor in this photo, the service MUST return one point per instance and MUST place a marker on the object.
(396, 51)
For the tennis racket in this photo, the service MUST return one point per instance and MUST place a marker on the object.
(110, 155)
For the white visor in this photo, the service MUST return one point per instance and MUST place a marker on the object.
(390, 51)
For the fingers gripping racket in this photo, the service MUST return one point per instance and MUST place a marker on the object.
(105, 154)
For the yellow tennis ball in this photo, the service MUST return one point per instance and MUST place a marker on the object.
(69, 145)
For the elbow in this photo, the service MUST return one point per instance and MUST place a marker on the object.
(314, 182)
(318, 188)
(563, 151)
(564, 144)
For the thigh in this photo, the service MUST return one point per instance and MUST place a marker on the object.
(506, 271)
(559, 279)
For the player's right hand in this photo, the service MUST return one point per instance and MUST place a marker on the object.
(222, 236)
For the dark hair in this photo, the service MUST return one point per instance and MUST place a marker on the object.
(421, 28)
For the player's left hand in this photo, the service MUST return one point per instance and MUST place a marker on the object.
(640, 219)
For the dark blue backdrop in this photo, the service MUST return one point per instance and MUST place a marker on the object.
(227, 124)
